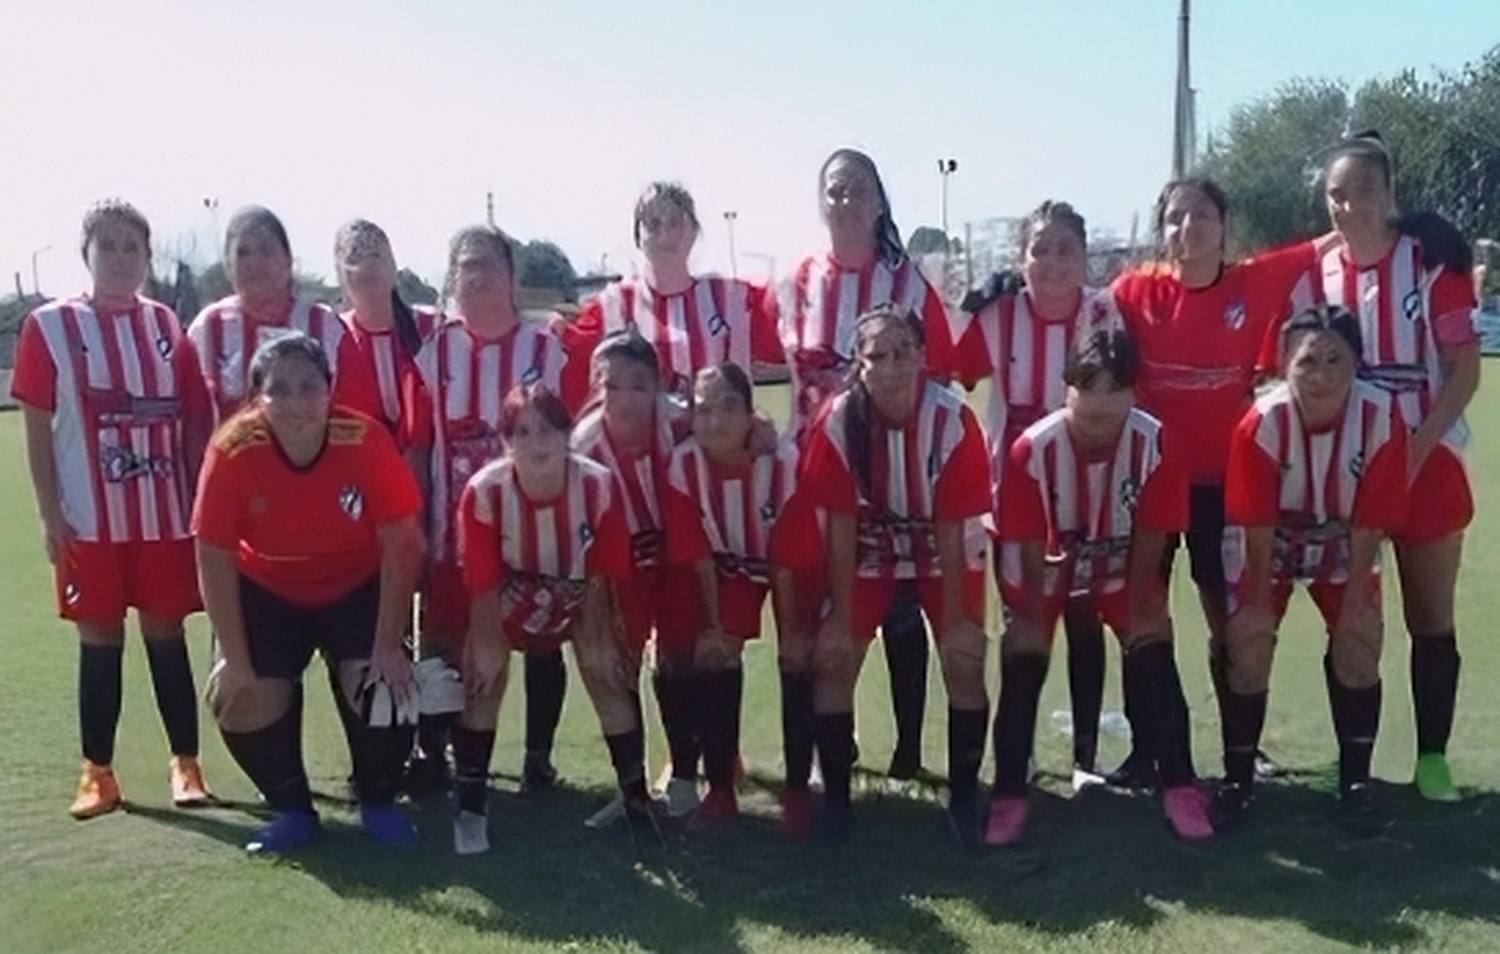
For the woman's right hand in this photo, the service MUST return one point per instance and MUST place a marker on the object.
(226, 682)
(57, 536)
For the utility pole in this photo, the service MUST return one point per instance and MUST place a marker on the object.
(1184, 132)
(734, 264)
(946, 168)
(489, 209)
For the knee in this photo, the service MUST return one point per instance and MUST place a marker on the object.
(1356, 660)
(253, 707)
(1249, 663)
(962, 655)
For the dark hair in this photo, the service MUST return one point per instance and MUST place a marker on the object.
(487, 235)
(1053, 213)
(674, 193)
(858, 433)
(1106, 352)
(627, 345)
(117, 210)
(287, 344)
(1331, 318)
(1366, 146)
(361, 236)
(888, 247)
(252, 217)
(735, 377)
(1201, 184)
(543, 400)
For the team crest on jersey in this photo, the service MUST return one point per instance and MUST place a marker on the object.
(1234, 315)
(1130, 493)
(1357, 464)
(585, 533)
(1411, 305)
(164, 346)
(531, 375)
(768, 511)
(717, 325)
(352, 501)
(71, 596)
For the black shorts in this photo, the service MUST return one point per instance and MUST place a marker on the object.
(283, 636)
(1205, 537)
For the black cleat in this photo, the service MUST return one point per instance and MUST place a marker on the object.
(1137, 774)
(537, 774)
(1356, 813)
(1230, 806)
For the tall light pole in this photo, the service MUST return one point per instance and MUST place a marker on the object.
(36, 283)
(1184, 136)
(946, 168)
(734, 265)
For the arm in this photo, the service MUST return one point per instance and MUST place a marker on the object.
(712, 646)
(56, 532)
(951, 557)
(401, 552)
(219, 582)
(841, 568)
(1256, 616)
(1359, 613)
(1460, 365)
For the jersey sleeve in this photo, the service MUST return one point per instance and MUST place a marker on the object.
(827, 479)
(35, 378)
(579, 337)
(479, 542)
(963, 488)
(1164, 498)
(1453, 305)
(1383, 498)
(1022, 515)
(686, 540)
(609, 554)
(1252, 482)
(219, 504)
(974, 364)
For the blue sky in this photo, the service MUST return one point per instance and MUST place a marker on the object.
(408, 113)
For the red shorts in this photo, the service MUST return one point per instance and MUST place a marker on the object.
(1328, 597)
(1441, 501)
(873, 600)
(98, 582)
(666, 598)
(445, 605)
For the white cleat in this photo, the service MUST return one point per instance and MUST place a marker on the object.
(607, 815)
(471, 833)
(682, 797)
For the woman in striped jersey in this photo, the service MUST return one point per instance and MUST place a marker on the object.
(1089, 503)
(1022, 342)
(388, 333)
(258, 258)
(693, 321)
(631, 429)
(727, 514)
(865, 266)
(1414, 299)
(1317, 478)
(116, 422)
(542, 544)
(481, 349)
(900, 465)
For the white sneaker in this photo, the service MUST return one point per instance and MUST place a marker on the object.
(471, 833)
(607, 815)
(682, 797)
(1083, 778)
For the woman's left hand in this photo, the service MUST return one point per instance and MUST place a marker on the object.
(391, 665)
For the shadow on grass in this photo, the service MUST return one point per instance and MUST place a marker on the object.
(1103, 858)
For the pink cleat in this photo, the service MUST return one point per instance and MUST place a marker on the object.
(1187, 809)
(1007, 822)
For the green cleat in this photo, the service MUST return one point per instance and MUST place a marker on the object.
(1434, 780)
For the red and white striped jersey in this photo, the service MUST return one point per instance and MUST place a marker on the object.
(1086, 508)
(226, 340)
(1026, 357)
(390, 367)
(715, 320)
(935, 468)
(1405, 312)
(467, 379)
(639, 480)
(819, 305)
(1313, 486)
(540, 554)
(120, 386)
(736, 510)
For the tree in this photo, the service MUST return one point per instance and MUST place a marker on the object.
(1443, 134)
(926, 240)
(541, 264)
(415, 291)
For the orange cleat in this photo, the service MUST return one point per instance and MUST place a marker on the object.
(98, 792)
(188, 788)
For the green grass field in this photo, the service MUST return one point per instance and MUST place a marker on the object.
(1099, 872)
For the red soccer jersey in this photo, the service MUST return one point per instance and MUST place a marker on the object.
(715, 320)
(399, 388)
(933, 468)
(119, 385)
(1088, 507)
(638, 480)
(540, 553)
(729, 515)
(1312, 486)
(467, 378)
(226, 339)
(309, 535)
(1026, 355)
(1406, 313)
(1199, 347)
(818, 306)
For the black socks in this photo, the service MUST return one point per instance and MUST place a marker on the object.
(720, 694)
(272, 758)
(1356, 720)
(1085, 634)
(1434, 688)
(797, 729)
(471, 767)
(546, 687)
(903, 634)
(176, 697)
(99, 700)
(1021, 678)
